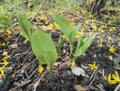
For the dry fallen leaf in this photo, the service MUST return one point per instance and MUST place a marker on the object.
(79, 88)
(77, 71)
(64, 65)
(14, 46)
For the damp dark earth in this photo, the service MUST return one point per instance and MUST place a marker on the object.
(60, 45)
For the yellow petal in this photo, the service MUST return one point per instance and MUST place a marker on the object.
(40, 70)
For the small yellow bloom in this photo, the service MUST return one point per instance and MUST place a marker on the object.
(63, 37)
(5, 56)
(72, 63)
(112, 49)
(110, 57)
(56, 25)
(100, 42)
(14, 19)
(110, 39)
(114, 78)
(2, 73)
(40, 70)
(94, 27)
(53, 30)
(50, 26)
(8, 31)
(2, 44)
(80, 33)
(4, 63)
(25, 41)
(103, 26)
(112, 29)
(93, 66)
(101, 30)
(86, 22)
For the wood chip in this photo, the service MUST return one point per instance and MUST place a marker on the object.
(79, 88)
(13, 46)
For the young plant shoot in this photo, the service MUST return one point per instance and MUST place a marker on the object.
(42, 44)
(70, 33)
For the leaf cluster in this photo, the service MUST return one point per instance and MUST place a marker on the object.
(44, 47)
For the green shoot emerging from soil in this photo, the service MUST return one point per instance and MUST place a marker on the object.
(70, 32)
(42, 44)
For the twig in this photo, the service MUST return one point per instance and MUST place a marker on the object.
(117, 88)
(38, 11)
(32, 73)
(25, 66)
(23, 84)
(101, 89)
(20, 3)
(37, 83)
(93, 74)
(93, 77)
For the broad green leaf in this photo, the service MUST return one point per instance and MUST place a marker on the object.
(44, 48)
(65, 26)
(81, 50)
(24, 26)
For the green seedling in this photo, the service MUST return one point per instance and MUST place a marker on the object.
(70, 33)
(67, 29)
(42, 44)
(44, 48)
(83, 45)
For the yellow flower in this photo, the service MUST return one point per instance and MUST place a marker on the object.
(50, 26)
(112, 29)
(8, 31)
(2, 44)
(2, 73)
(110, 39)
(86, 22)
(112, 49)
(114, 78)
(40, 70)
(80, 33)
(110, 57)
(56, 25)
(25, 41)
(103, 26)
(94, 27)
(100, 42)
(63, 37)
(93, 66)
(72, 63)
(47, 21)
(5, 56)
(100, 30)
(4, 63)
(52, 30)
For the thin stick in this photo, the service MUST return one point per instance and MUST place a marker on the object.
(117, 88)
(38, 11)
(37, 83)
